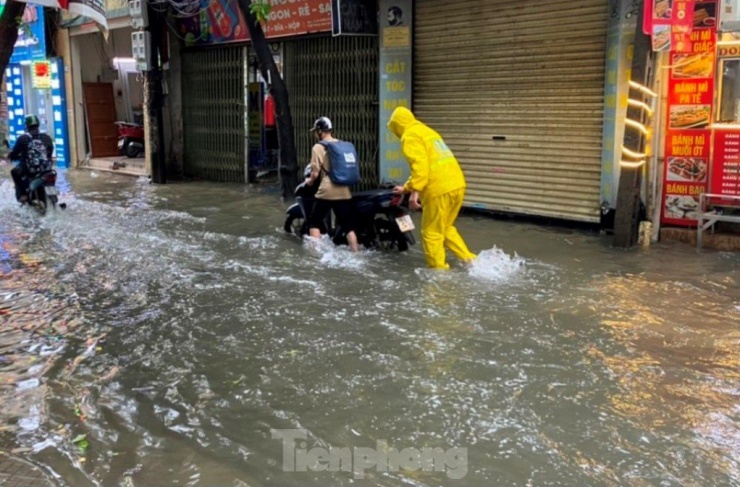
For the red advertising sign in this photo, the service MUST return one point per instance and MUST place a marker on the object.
(688, 138)
(222, 22)
(660, 24)
(726, 163)
(290, 18)
(682, 23)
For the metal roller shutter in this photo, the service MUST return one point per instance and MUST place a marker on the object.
(531, 71)
(336, 77)
(213, 114)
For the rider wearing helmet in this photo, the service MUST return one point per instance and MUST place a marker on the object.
(34, 152)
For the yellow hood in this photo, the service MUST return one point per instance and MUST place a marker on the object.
(400, 121)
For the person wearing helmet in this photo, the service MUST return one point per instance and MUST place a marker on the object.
(34, 152)
(330, 196)
(437, 178)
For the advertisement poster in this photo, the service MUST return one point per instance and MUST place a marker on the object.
(221, 21)
(690, 107)
(395, 83)
(660, 24)
(726, 163)
(682, 24)
(31, 43)
(354, 17)
(254, 123)
(41, 75)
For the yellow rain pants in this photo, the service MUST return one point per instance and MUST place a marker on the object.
(438, 229)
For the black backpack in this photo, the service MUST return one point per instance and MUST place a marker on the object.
(37, 155)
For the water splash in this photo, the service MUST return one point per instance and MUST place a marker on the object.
(336, 257)
(497, 266)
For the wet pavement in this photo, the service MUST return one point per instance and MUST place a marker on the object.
(175, 335)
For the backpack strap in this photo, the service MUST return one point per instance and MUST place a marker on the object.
(325, 145)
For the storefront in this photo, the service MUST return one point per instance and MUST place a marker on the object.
(517, 90)
(34, 84)
(108, 89)
(702, 117)
(229, 134)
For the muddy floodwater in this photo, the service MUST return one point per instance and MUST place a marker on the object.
(174, 335)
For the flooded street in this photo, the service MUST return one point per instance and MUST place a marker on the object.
(158, 336)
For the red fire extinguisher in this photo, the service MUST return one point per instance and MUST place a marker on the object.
(269, 111)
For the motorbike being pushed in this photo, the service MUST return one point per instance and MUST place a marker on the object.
(380, 220)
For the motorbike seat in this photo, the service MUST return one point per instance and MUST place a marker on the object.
(372, 194)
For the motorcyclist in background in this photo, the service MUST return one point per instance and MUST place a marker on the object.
(34, 151)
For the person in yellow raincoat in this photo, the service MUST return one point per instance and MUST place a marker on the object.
(436, 177)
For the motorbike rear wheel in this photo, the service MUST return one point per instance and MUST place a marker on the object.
(38, 200)
(390, 236)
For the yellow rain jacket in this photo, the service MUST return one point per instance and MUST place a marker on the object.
(434, 169)
(436, 175)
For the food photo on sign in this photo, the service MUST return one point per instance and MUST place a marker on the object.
(661, 37)
(662, 9)
(689, 116)
(705, 14)
(687, 169)
(682, 207)
(699, 65)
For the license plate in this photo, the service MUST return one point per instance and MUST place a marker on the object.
(120, 144)
(51, 191)
(405, 223)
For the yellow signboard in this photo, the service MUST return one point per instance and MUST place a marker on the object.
(42, 75)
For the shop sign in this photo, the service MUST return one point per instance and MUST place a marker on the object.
(688, 138)
(726, 163)
(255, 107)
(395, 83)
(41, 76)
(354, 17)
(671, 22)
(729, 50)
(221, 21)
(682, 24)
(31, 43)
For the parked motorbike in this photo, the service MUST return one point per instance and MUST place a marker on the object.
(42, 192)
(130, 139)
(380, 220)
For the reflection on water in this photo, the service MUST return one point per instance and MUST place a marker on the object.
(154, 333)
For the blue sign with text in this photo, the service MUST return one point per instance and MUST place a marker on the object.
(31, 43)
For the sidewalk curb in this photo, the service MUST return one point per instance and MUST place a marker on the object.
(17, 472)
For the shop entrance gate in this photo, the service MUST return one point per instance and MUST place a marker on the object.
(214, 123)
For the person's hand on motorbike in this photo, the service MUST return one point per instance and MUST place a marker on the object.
(414, 203)
(398, 190)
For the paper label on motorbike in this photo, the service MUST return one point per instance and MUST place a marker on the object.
(51, 191)
(405, 223)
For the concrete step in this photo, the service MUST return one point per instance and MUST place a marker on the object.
(120, 165)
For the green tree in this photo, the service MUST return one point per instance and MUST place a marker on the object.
(255, 13)
(10, 20)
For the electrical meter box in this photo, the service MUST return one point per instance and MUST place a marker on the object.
(141, 50)
(138, 11)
